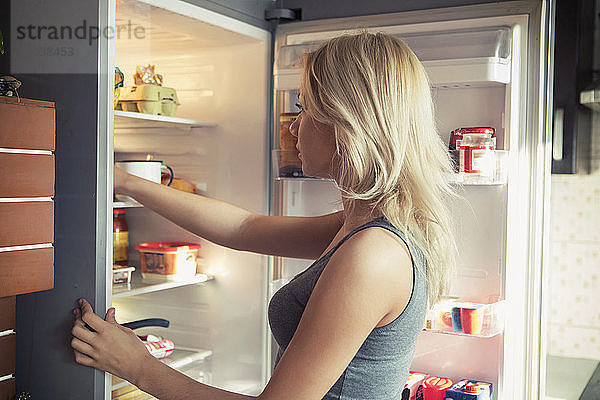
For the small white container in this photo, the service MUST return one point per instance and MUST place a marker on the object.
(122, 274)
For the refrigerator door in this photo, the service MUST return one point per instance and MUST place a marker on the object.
(220, 69)
(489, 66)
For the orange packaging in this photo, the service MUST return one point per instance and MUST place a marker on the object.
(168, 261)
(434, 388)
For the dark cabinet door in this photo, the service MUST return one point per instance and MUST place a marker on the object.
(573, 60)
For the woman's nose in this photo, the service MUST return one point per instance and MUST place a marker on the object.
(294, 127)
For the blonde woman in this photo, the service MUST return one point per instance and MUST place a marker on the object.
(348, 324)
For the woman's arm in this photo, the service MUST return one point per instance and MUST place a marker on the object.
(231, 226)
(116, 349)
(368, 279)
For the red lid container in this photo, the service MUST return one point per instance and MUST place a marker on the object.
(434, 388)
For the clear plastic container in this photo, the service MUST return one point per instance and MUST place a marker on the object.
(168, 261)
(122, 274)
(498, 176)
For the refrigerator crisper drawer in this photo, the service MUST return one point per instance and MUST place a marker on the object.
(475, 57)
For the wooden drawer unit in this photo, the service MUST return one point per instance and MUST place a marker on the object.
(27, 142)
(26, 223)
(26, 271)
(8, 349)
(7, 389)
(26, 175)
(26, 124)
(7, 313)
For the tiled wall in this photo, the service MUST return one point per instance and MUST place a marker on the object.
(575, 260)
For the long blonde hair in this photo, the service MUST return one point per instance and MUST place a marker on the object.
(374, 91)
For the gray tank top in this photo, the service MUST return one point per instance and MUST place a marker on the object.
(379, 369)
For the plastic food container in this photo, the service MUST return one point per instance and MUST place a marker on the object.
(470, 390)
(122, 274)
(168, 261)
(435, 387)
(148, 99)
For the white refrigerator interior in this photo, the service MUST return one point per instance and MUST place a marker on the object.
(219, 141)
(219, 68)
(475, 69)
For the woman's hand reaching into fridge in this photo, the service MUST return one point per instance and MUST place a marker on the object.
(120, 179)
(109, 346)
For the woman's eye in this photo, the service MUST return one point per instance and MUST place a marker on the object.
(299, 107)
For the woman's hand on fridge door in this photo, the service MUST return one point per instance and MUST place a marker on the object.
(107, 345)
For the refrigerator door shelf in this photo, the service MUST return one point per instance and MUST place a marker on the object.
(443, 74)
(287, 167)
(499, 175)
(467, 318)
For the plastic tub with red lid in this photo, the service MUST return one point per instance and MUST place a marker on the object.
(168, 261)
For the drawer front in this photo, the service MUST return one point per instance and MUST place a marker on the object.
(26, 223)
(7, 389)
(26, 175)
(8, 351)
(25, 126)
(7, 313)
(26, 271)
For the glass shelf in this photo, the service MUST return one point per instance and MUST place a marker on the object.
(460, 318)
(290, 172)
(136, 120)
(138, 286)
(127, 204)
(303, 179)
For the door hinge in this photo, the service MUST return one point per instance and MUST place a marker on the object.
(283, 14)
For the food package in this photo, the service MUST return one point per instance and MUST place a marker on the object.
(119, 79)
(122, 274)
(168, 261)
(435, 387)
(470, 390)
(147, 76)
(157, 346)
(149, 99)
(413, 389)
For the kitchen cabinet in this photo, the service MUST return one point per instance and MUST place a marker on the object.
(27, 215)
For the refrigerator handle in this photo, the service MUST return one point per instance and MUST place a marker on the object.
(147, 322)
(557, 134)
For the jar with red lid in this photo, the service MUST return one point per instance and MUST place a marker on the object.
(120, 237)
(477, 161)
(456, 137)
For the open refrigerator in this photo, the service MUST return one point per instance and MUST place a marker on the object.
(488, 66)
